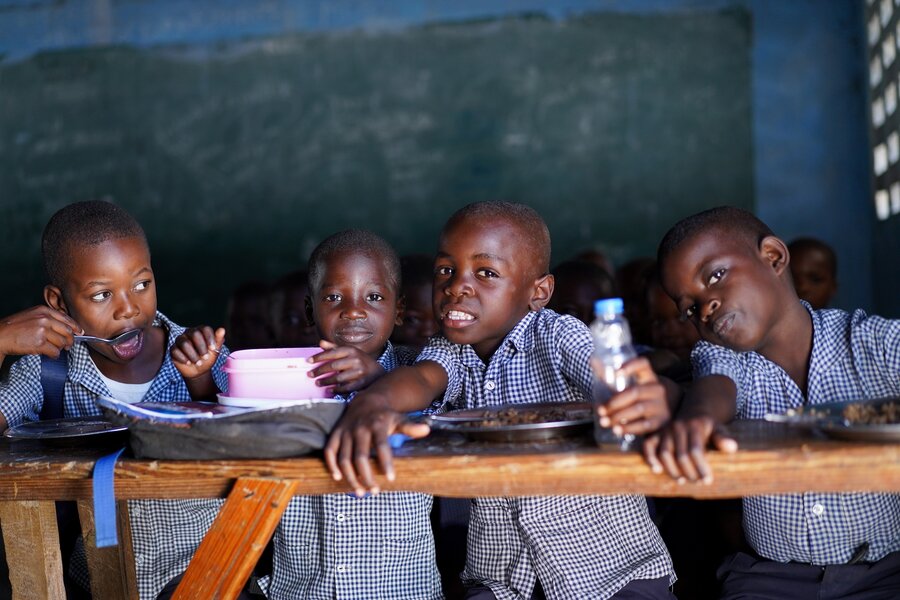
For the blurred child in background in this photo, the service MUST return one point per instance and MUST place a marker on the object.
(291, 324)
(419, 323)
(247, 318)
(814, 269)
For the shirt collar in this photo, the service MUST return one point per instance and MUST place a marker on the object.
(519, 339)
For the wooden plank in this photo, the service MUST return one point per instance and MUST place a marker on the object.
(226, 556)
(31, 538)
(108, 567)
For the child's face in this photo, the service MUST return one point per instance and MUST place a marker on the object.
(356, 304)
(813, 281)
(667, 329)
(248, 324)
(484, 283)
(109, 289)
(576, 298)
(419, 323)
(293, 328)
(731, 290)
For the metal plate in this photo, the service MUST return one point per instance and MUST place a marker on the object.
(63, 429)
(541, 421)
(832, 419)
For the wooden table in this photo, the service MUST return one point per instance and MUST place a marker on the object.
(772, 459)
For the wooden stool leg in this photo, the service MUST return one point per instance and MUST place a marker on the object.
(31, 538)
(226, 556)
(109, 567)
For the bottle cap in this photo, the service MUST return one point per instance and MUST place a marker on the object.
(608, 306)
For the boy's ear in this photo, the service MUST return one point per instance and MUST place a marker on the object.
(543, 290)
(775, 252)
(54, 299)
(401, 308)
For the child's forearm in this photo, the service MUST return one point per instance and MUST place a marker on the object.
(407, 389)
(202, 387)
(713, 396)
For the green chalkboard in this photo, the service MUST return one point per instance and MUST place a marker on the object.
(239, 158)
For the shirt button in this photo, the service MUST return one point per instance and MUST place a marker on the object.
(341, 568)
(818, 510)
(139, 559)
(136, 511)
(490, 385)
(340, 517)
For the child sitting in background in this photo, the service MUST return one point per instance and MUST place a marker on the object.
(577, 285)
(814, 269)
(500, 345)
(671, 337)
(291, 326)
(631, 281)
(247, 317)
(419, 323)
(766, 351)
(338, 545)
(101, 283)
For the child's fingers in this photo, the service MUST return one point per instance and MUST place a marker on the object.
(649, 450)
(640, 370)
(362, 451)
(722, 440)
(219, 340)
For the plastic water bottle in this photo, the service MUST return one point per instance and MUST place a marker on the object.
(612, 349)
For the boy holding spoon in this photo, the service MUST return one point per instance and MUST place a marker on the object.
(101, 283)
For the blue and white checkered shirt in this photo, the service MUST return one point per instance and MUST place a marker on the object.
(165, 533)
(341, 546)
(578, 546)
(854, 357)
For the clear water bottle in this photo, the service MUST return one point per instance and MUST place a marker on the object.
(612, 349)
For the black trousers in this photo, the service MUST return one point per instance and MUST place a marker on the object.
(639, 589)
(752, 578)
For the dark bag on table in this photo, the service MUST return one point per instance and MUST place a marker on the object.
(202, 430)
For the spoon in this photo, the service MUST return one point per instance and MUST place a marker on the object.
(118, 339)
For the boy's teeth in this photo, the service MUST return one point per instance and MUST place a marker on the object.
(455, 315)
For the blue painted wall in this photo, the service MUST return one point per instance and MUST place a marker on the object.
(809, 92)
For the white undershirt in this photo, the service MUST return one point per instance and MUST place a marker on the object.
(126, 392)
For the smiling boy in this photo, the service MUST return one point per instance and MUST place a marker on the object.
(763, 351)
(340, 546)
(499, 345)
(100, 282)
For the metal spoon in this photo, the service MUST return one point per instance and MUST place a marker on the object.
(118, 339)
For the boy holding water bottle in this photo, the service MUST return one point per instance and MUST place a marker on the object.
(499, 344)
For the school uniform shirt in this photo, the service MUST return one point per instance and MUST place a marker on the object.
(578, 546)
(854, 357)
(343, 547)
(165, 533)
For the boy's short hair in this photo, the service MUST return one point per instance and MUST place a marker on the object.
(738, 221)
(807, 243)
(534, 229)
(358, 241)
(86, 223)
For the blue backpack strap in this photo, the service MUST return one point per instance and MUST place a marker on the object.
(53, 380)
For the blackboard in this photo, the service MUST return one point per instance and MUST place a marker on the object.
(239, 158)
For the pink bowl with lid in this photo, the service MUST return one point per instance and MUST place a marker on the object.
(273, 373)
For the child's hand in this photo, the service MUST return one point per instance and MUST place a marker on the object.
(350, 368)
(680, 448)
(37, 330)
(366, 424)
(639, 409)
(195, 351)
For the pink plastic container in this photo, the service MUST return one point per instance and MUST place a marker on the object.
(273, 373)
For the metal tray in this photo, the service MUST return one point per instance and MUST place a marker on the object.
(552, 420)
(73, 428)
(830, 419)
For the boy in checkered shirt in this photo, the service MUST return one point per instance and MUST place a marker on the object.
(763, 350)
(500, 345)
(338, 546)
